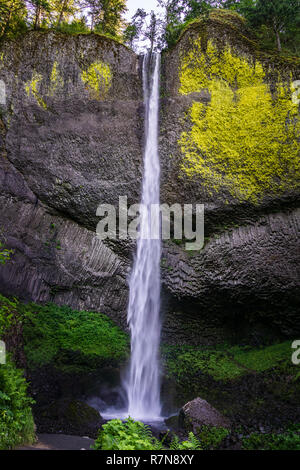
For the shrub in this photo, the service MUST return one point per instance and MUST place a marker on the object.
(211, 436)
(8, 314)
(16, 421)
(76, 27)
(289, 440)
(134, 435)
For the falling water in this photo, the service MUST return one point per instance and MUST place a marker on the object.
(143, 384)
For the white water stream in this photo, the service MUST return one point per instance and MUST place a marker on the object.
(143, 382)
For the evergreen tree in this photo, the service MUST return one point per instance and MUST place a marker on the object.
(38, 11)
(106, 15)
(12, 16)
(278, 15)
(134, 29)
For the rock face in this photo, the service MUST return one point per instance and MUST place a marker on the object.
(218, 149)
(70, 417)
(198, 413)
(71, 137)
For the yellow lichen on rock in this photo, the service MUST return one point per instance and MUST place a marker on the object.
(245, 140)
(56, 80)
(98, 79)
(32, 88)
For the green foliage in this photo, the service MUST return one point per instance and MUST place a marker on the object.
(134, 435)
(8, 314)
(273, 22)
(127, 435)
(106, 15)
(70, 16)
(78, 26)
(211, 436)
(16, 421)
(277, 15)
(191, 444)
(72, 340)
(12, 18)
(225, 362)
(289, 440)
(263, 359)
(134, 30)
(180, 13)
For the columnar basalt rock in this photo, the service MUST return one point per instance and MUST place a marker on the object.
(71, 135)
(244, 169)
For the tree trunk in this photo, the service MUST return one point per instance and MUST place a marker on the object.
(276, 30)
(278, 40)
(62, 11)
(37, 22)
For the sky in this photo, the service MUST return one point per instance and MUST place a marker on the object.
(133, 5)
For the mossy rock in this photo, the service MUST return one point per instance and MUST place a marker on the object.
(69, 417)
(198, 413)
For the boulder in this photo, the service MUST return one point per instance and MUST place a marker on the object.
(198, 413)
(69, 416)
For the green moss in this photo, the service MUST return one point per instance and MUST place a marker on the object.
(32, 89)
(211, 437)
(56, 80)
(71, 340)
(288, 440)
(98, 79)
(245, 141)
(263, 359)
(225, 363)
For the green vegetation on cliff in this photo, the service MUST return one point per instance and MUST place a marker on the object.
(288, 440)
(98, 79)
(226, 363)
(71, 340)
(246, 140)
(16, 420)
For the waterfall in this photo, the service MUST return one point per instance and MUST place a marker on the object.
(143, 382)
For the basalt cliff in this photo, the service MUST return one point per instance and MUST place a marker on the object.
(71, 138)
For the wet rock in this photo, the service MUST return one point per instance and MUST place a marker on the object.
(198, 413)
(66, 416)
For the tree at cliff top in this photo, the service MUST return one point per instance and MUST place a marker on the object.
(12, 16)
(144, 27)
(278, 15)
(38, 11)
(63, 10)
(269, 18)
(106, 15)
(178, 13)
(134, 29)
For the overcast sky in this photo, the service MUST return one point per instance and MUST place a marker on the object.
(133, 5)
